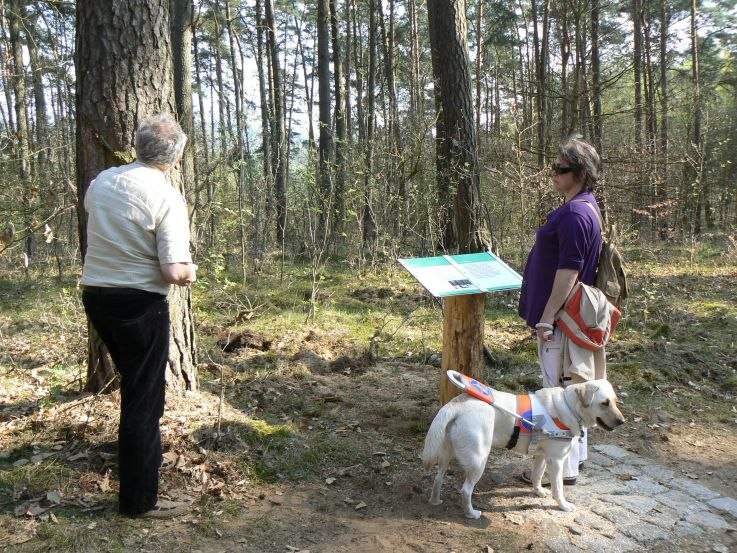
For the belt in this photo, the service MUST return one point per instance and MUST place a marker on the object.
(112, 291)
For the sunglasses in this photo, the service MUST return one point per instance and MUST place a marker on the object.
(559, 169)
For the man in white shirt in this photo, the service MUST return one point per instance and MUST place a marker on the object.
(137, 246)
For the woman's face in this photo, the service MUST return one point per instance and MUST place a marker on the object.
(564, 179)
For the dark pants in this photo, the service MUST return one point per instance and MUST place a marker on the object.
(135, 328)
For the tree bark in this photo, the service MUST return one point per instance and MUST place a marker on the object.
(124, 73)
(661, 194)
(21, 145)
(448, 40)
(325, 139)
(278, 143)
(637, 68)
(340, 124)
(368, 219)
(596, 78)
(463, 324)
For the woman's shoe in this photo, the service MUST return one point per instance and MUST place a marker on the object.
(527, 477)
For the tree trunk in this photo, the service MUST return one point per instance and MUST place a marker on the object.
(325, 144)
(414, 54)
(278, 148)
(448, 39)
(349, 7)
(203, 131)
(124, 56)
(596, 77)
(398, 210)
(43, 151)
(21, 147)
(697, 154)
(637, 68)
(661, 195)
(340, 125)
(540, 63)
(464, 316)
(565, 54)
(368, 219)
(181, 49)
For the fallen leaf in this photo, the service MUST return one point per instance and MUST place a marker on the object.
(361, 505)
(330, 480)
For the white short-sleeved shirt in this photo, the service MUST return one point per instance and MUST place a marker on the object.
(137, 222)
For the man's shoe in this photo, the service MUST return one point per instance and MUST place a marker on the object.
(527, 477)
(166, 509)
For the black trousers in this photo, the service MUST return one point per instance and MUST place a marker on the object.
(134, 325)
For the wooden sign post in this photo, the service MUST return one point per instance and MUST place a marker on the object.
(462, 281)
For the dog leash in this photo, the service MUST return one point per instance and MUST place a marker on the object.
(475, 389)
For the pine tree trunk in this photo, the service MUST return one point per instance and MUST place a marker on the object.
(325, 140)
(596, 77)
(448, 39)
(463, 318)
(340, 125)
(278, 139)
(661, 195)
(368, 220)
(21, 147)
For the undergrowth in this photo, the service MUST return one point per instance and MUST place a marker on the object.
(674, 351)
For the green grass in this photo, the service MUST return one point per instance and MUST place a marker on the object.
(682, 312)
(35, 479)
(674, 351)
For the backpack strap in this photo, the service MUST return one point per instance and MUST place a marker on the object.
(598, 218)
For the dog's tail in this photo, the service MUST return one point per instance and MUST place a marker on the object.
(436, 435)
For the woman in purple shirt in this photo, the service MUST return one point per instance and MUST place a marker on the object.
(566, 249)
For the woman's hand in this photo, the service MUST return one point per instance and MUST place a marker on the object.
(563, 283)
(544, 331)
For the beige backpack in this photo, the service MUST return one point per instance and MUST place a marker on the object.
(610, 276)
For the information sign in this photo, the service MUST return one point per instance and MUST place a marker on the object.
(453, 275)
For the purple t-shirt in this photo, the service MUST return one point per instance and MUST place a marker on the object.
(569, 239)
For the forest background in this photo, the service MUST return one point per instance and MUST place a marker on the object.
(281, 151)
(318, 156)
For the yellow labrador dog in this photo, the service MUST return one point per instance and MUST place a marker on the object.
(466, 428)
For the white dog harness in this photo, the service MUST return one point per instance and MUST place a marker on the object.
(532, 416)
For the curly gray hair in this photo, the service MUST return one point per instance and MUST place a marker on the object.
(584, 159)
(160, 140)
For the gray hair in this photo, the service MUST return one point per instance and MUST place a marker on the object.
(160, 140)
(584, 159)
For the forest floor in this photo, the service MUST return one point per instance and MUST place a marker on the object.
(300, 440)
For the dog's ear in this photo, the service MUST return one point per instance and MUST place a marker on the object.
(586, 393)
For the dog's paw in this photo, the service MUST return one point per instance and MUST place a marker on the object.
(474, 514)
(541, 492)
(567, 507)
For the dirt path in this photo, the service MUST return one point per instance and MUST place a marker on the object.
(625, 501)
(350, 480)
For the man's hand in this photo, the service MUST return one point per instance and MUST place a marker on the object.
(181, 274)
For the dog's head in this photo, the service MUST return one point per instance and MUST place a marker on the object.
(597, 404)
